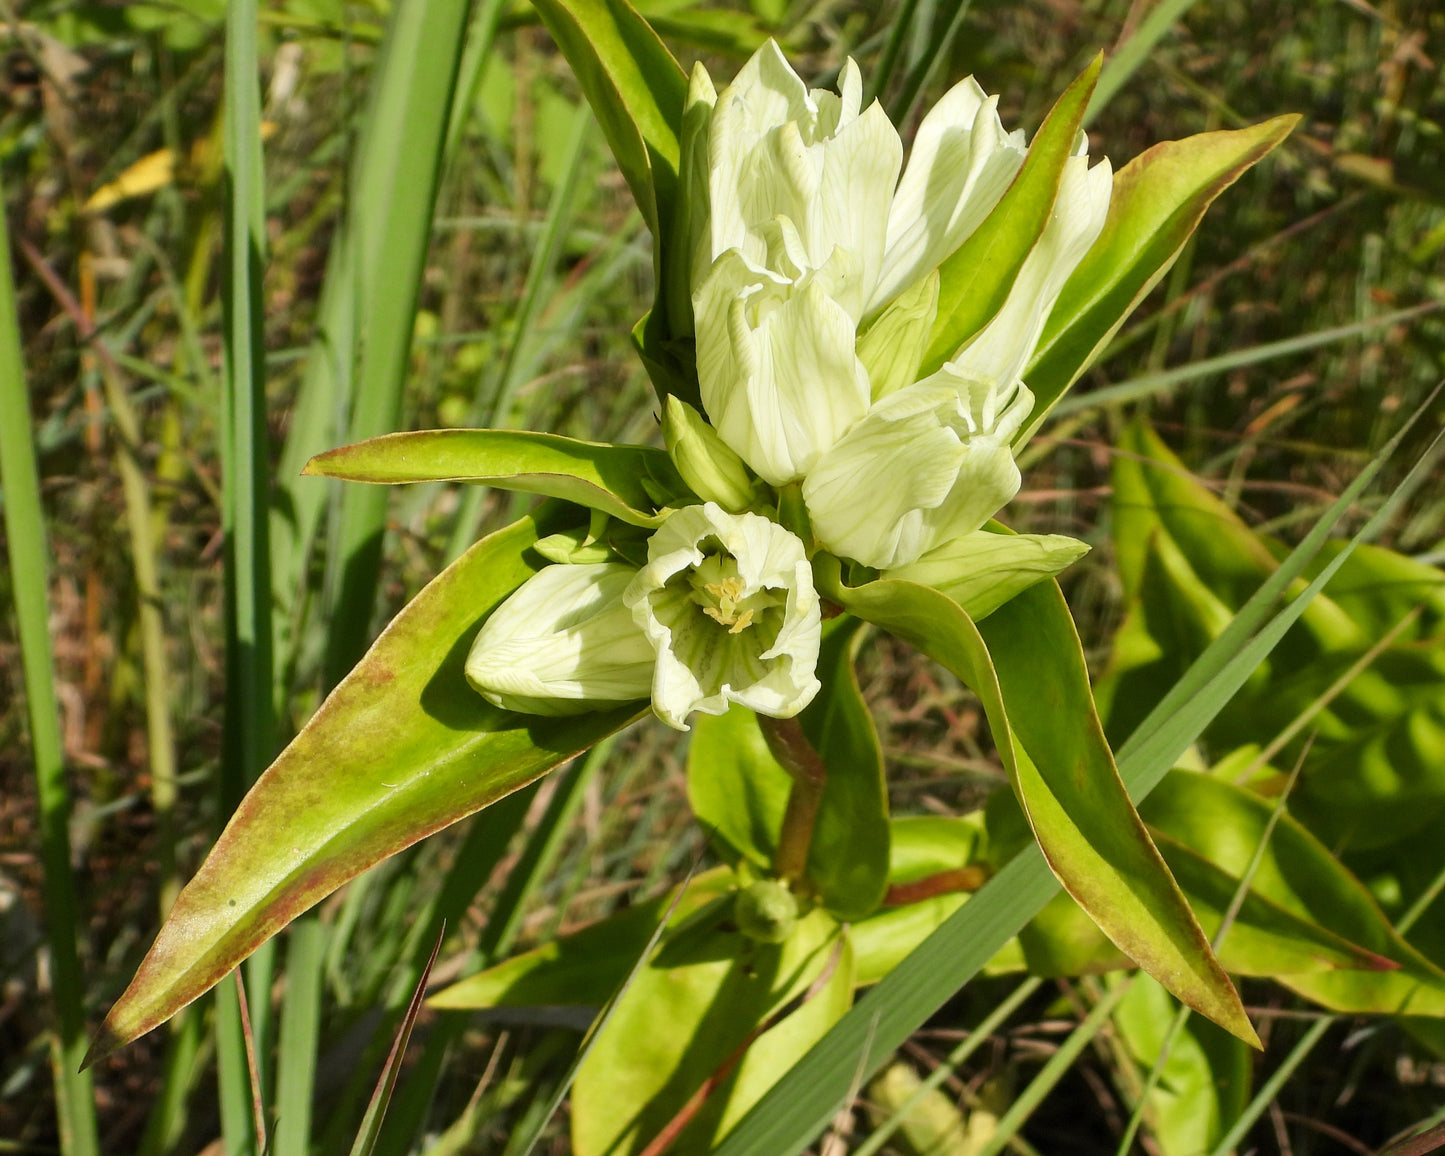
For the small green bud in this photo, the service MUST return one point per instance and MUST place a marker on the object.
(766, 911)
(713, 471)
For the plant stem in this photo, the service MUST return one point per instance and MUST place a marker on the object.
(790, 746)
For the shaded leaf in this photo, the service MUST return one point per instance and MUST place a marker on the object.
(686, 1013)
(739, 791)
(1205, 1082)
(586, 967)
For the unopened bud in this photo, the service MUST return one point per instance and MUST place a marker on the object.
(766, 912)
(713, 471)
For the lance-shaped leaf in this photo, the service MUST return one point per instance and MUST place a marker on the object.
(401, 748)
(1223, 824)
(1029, 677)
(684, 1018)
(636, 90)
(611, 478)
(975, 281)
(1204, 1084)
(1270, 934)
(587, 967)
(739, 791)
(1158, 200)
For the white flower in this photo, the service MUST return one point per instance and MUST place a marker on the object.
(777, 150)
(959, 167)
(728, 603)
(777, 368)
(928, 464)
(1001, 350)
(563, 643)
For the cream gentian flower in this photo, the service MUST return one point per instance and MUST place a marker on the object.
(777, 368)
(928, 464)
(728, 604)
(563, 643)
(777, 150)
(1001, 350)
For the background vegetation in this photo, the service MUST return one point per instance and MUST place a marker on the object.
(1285, 347)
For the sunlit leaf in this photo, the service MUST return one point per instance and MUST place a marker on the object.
(1158, 200)
(1030, 675)
(685, 1016)
(598, 475)
(400, 749)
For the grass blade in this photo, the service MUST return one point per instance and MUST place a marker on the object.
(248, 733)
(1152, 383)
(30, 569)
(376, 1109)
(399, 167)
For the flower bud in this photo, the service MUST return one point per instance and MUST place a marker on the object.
(728, 603)
(563, 643)
(982, 570)
(713, 471)
(776, 366)
(766, 911)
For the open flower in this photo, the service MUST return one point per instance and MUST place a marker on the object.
(928, 464)
(563, 643)
(727, 601)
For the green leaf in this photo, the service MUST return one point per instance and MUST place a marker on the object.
(1064, 775)
(597, 475)
(1375, 772)
(923, 849)
(975, 281)
(687, 1012)
(586, 967)
(802, 1103)
(1271, 935)
(1205, 1082)
(739, 791)
(1223, 823)
(400, 749)
(636, 90)
(848, 858)
(1157, 202)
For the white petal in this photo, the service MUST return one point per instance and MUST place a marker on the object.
(860, 169)
(702, 665)
(1006, 343)
(765, 94)
(777, 369)
(960, 164)
(866, 496)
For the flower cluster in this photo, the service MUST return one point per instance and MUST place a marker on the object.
(814, 255)
(815, 293)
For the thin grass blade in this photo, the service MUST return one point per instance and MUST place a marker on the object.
(30, 569)
(376, 1109)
